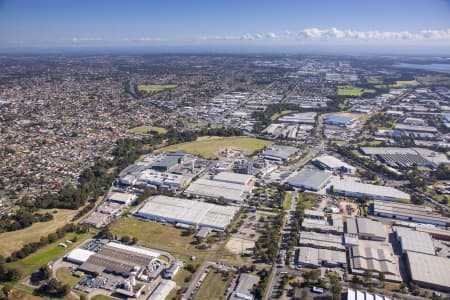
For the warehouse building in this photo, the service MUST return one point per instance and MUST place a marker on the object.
(333, 164)
(279, 153)
(170, 160)
(78, 256)
(377, 260)
(429, 271)
(121, 198)
(336, 120)
(364, 295)
(321, 241)
(312, 180)
(414, 241)
(187, 212)
(299, 118)
(214, 189)
(357, 189)
(408, 212)
(244, 288)
(230, 177)
(331, 225)
(163, 289)
(316, 258)
(366, 229)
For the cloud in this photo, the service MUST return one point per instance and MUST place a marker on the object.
(375, 35)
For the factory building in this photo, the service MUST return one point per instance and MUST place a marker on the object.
(170, 160)
(336, 120)
(357, 189)
(366, 229)
(333, 164)
(331, 225)
(377, 260)
(244, 288)
(187, 212)
(312, 180)
(429, 271)
(414, 241)
(121, 198)
(364, 295)
(321, 241)
(299, 118)
(408, 212)
(230, 177)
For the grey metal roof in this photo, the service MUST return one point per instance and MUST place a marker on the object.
(416, 241)
(310, 178)
(429, 269)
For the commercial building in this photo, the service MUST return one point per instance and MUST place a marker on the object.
(333, 164)
(414, 241)
(214, 189)
(316, 258)
(308, 179)
(429, 271)
(357, 189)
(244, 288)
(278, 153)
(408, 212)
(121, 198)
(366, 229)
(187, 212)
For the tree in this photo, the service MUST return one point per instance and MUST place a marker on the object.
(381, 278)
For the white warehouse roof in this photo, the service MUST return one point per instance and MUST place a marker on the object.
(79, 256)
(214, 189)
(429, 269)
(334, 163)
(134, 249)
(196, 213)
(412, 240)
(237, 178)
(352, 188)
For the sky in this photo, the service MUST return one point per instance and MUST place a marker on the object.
(400, 25)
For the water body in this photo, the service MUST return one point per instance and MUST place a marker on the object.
(429, 67)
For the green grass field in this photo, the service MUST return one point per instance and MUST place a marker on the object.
(168, 238)
(287, 200)
(65, 275)
(210, 148)
(44, 255)
(147, 129)
(180, 278)
(405, 83)
(154, 88)
(213, 287)
(352, 91)
(102, 297)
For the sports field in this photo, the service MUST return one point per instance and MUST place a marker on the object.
(209, 148)
(213, 287)
(147, 129)
(154, 88)
(14, 240)
(352, 91)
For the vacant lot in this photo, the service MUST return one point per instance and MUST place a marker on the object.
(352, 91)
(154, 88)
(213, 287)
(147, 129)
(44, 255)
(168, 238)
(65, 275)
(210, 148)
(14, 240)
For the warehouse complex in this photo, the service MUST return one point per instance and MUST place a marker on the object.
(357, 189)
(377, 260)
(308, 179)
(408, 212)
(366, 229)
(429, 271)
(279, 153)
(414, 241)
(187, 212)
(315, 258)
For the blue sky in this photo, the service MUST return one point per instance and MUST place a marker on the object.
(111, 23)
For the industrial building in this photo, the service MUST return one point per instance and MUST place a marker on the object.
(230, 177)
(372, 259)
(214, 189)
(121, 198)
(170, 160)
(244, 287)
(366, 229)
(357, 189)
(408, 212)
(162, 290)
(188, 212)
(429, 271)
(299, 118)
(333, 164)
(316, 258)
(414, 241)
(336, 120)
(331, 225)
(312, 180)
(162, 179)
(279, 153)
(321, 240)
